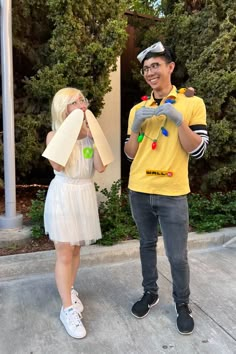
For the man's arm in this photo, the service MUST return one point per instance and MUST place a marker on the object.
(131, 146)
(137, 117)
(193, 138)
(188, 139)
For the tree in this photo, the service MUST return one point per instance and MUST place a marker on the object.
(60, 43)
(145, 7)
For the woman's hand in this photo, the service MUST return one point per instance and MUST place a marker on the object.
(85, 131)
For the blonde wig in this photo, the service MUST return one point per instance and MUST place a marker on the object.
(59, 113)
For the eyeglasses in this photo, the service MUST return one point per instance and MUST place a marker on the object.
(80, 100)
(153, 67)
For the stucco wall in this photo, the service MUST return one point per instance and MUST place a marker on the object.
(109, 121)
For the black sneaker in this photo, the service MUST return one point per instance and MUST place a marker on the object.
(142, 307)
(185, 323)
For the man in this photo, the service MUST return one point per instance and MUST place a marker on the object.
(163, 131)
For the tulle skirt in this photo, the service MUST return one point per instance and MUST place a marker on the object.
(71, 211)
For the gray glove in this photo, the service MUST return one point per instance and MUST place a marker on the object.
(140, 116)
(169, 110)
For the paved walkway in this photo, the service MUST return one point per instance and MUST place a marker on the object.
(109, 282)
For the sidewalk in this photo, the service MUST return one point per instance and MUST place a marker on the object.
(109, 282)
(21, 265)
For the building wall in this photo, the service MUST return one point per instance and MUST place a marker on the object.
(109, 121)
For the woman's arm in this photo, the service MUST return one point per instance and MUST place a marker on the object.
(54, 165)
(98, 165)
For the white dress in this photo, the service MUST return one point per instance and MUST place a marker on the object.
(71, 210)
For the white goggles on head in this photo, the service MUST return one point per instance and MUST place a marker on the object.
(155, 48)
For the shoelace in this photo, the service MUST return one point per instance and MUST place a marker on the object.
(184, 308)
(74, 318)
(146, 296)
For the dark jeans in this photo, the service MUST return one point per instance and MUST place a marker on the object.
(172, 215)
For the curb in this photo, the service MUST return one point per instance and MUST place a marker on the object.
(21, 265)
(14, 237)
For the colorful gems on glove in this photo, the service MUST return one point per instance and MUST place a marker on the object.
(164, 131)
(154, 145)
(140, 138)
(145, 98)
(88, 152)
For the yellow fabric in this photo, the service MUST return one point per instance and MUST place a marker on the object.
(169, 156)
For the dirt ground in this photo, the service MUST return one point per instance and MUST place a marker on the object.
(24, 195)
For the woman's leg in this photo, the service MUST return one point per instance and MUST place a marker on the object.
(75, 263)
(70, 318)
(63, 271)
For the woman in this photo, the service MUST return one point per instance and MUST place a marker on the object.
(71, 213)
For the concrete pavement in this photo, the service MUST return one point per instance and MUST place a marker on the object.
(109, 281)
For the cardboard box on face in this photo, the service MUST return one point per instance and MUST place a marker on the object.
(62, 144)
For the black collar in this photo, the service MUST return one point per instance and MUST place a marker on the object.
(157, 100)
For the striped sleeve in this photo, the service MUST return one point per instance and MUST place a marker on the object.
(200, 129)
(130, 159)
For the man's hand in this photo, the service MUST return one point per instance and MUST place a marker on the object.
(140, 116)
(169, 110)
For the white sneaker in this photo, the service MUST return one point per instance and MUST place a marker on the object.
(76, 302)
(72, 322)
